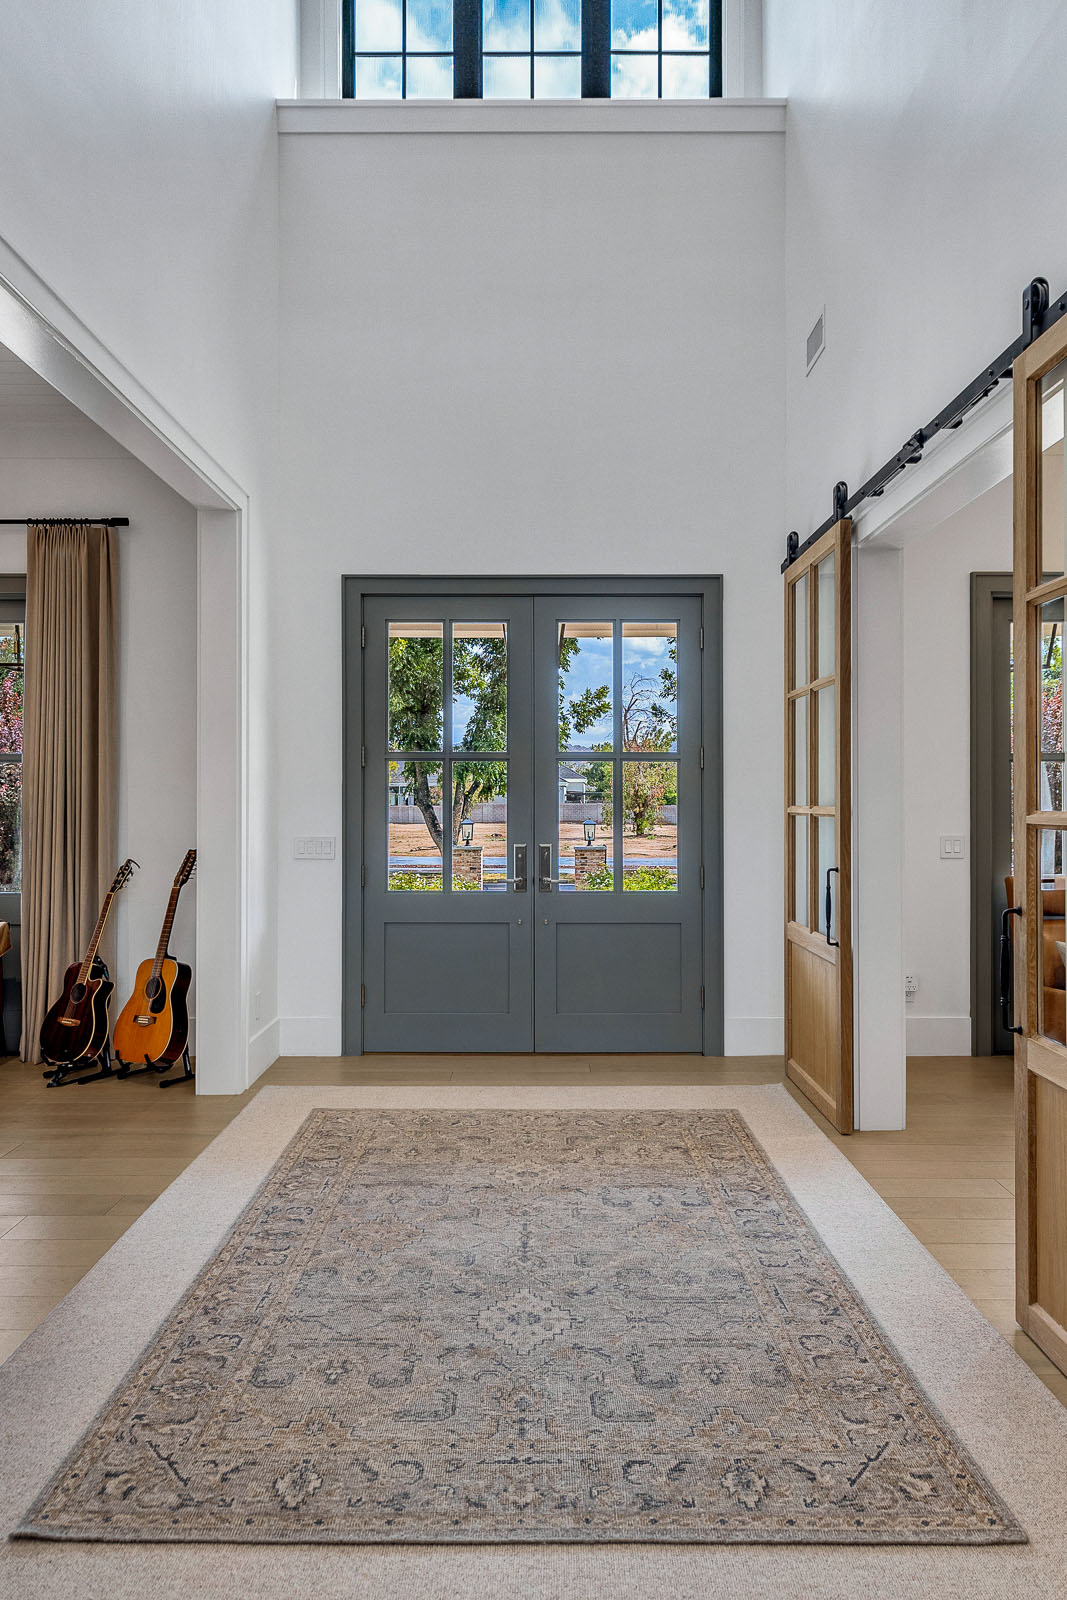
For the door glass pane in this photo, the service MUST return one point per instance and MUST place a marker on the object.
(586, 658)
(826, 858)
(414, 814)
(800, 871)
(479, 686)
(1052, 499)
(585, 852)
(825, 593)
(826, 733)
(650, 686)
(479, 825)
(416, 685)
(650, 825)
(799, 592)
(1051, 937)
(800, 751)
(1050, 677)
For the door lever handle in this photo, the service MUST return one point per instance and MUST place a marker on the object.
(518, 882)
(545, 880)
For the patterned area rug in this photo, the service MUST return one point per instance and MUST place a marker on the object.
(442, 1326)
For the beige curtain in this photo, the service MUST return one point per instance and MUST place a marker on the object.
(69, 738)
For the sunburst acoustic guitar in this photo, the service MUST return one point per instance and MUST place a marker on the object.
(152, 1031)
(74, 1031)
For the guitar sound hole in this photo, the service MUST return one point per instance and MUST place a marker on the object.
(77, 993)
(152, 988)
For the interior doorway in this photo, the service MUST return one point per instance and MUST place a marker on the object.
(532, 788)
(991, 819)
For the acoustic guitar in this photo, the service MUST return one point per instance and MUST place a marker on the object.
(153, 1026)
(75, 1029)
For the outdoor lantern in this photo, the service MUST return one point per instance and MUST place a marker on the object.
(590, 831)
(466, 831)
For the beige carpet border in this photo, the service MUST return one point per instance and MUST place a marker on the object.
(1016, 1430)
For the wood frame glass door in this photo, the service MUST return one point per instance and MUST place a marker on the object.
(818, 834)
(1040, 582)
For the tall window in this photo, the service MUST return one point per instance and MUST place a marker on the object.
(532, 49)
(12, 660)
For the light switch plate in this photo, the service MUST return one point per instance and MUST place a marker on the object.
(952, 847)
(314, 849)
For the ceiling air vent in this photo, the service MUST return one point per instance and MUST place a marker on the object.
(817, 339)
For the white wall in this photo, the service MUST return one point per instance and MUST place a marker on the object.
(139, 194)
(65, 465)
(936, 766)
(524, 353)
(926, 186)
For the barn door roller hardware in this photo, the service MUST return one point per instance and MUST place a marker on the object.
(1039, 313)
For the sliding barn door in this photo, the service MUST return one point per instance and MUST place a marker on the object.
(818, 775)
(1040, 581)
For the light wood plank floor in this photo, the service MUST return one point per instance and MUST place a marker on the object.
(78, 1165)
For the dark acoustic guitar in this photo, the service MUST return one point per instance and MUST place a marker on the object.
(153, 1025)
(74, 1032)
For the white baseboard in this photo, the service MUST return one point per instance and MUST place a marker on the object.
(939, 1036)
(753, 1036)
(309, 1036)
(262, 1050)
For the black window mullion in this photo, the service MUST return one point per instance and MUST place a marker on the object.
(467, 50)
(596, 49)
(715, 44)
(348, 50)
(659, 51)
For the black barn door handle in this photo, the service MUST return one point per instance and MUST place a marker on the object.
(830, 907)
(1007, 986)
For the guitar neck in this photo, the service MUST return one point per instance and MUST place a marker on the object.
(90, 955)
(165, 931)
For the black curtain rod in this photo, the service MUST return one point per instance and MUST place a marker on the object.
(1038, 314)
(99, 522)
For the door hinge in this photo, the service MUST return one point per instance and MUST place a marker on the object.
(701, 997)
(363, 756)
(701, 758)
(362, 637)
(363, 874)
(702, 638)
(702, 875)
(362, 995)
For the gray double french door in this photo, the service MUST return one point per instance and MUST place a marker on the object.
(532, 871)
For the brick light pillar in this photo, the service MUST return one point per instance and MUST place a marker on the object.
(588, 858)
(467, 865)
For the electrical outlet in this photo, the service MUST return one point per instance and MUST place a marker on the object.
(315, 849)
(257, 1005)
(952, 847)
(911, 989)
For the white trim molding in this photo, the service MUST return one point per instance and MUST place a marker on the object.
(531, 116)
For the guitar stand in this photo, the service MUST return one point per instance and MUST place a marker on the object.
(58, 1077)
(127, 1070)
(186, 1076)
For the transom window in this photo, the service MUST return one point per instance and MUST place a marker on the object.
(532, 49)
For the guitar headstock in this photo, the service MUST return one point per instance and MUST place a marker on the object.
(186, 870)
(124, 874)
